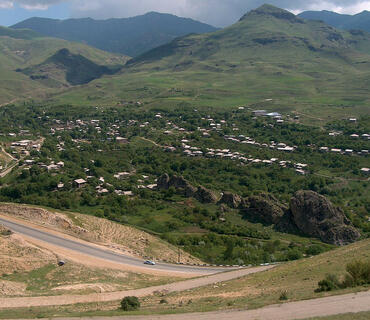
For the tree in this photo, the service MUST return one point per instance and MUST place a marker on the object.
(130, 304)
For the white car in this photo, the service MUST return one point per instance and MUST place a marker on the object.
(150, 262)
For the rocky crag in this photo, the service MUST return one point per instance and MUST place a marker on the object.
(308, 213)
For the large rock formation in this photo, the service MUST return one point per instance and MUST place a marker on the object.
(204, 195)
(230, 199)
(263, 208)
(183, 186)
(316, 216)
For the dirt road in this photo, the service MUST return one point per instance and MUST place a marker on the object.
(349, 303)
(114, 296)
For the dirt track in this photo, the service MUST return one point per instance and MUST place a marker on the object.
(114, 296)
(350, 303)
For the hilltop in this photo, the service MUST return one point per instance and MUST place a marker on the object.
(129, 36)
(360, 21)
(269, 53)
(21, 49)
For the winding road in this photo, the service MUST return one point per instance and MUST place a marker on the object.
(85, 248)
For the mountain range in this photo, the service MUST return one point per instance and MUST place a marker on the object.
(129, 36)
(360, 21)
(270, 54)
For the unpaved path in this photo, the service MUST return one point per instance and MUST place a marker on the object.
(349, 303)
(114, 296)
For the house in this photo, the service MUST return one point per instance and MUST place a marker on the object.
(80, 183)
(60, 185)
(365, 170)
(259, 113)
(121, 140)
(300, 171)
(336, 150)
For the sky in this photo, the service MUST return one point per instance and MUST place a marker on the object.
(219, 13)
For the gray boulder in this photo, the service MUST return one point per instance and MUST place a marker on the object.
(263, 208)
(231, 199)
(316, 216)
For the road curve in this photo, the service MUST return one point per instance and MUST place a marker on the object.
(94, 251)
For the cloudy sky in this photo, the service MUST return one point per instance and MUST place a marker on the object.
(217, 12)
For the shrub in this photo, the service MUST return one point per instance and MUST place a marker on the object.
(284, 296)
(330, 283)
(130, 304)
(359, 271)
(163, 301)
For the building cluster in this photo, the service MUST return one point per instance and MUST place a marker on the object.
(300, 168)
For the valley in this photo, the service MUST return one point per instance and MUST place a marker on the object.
(235, 157)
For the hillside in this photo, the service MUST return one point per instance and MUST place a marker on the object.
(268, 54)
(360, 21)
(65, 68)
(129, 36)
(20, 49)
(298, 279)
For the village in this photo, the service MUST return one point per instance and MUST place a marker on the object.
(173, 135)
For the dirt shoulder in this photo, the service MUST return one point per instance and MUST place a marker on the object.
(115, 296)
(344, 304)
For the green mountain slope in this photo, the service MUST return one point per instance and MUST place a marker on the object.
(20, 49)
(130, 36)
(268, 54)
(360, 21)
(65, 68)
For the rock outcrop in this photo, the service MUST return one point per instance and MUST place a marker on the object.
(316, 216)
(184, 187)
(263, 208)
(230, 199)
(204, 195)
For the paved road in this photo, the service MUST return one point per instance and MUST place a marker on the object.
(102, 253)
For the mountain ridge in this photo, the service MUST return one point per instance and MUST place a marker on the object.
(359, 21)
(129, 36)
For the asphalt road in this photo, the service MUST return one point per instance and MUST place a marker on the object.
(102, 253)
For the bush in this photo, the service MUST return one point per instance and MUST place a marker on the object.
(284, 296)
(358, 274)
(130, 304)
(359, 271)
(330, 283)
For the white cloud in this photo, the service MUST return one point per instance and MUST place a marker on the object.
(4, 4)
(217, 12)
(30, 4)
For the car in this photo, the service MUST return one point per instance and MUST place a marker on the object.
(150, 262)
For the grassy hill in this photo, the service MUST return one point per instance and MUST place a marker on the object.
(269, 54)
(298, 279)
(20, 49)
(65, 68)
(130, 36)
